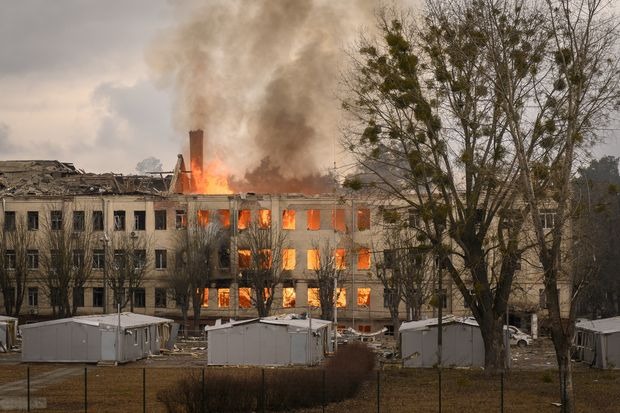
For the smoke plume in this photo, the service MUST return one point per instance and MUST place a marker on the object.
(260, 78)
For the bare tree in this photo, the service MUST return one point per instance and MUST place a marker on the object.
(555, 101)
(127, 260)
(15, 243)
(196, 261)
(427, 129)
(264, 249)
(66, 261)
(330, 269)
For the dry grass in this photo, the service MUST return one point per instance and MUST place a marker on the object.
(119, 389)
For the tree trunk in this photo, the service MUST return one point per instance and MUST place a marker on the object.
(196, 307)
(184, 311)
(566, 381)
(494, 351)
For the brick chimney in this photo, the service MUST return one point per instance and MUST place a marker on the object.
(196, 138)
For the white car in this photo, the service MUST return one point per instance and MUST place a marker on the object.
(518, 337)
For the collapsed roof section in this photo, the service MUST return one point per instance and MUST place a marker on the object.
(54, 178)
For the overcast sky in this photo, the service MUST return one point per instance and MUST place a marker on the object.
(75, 85)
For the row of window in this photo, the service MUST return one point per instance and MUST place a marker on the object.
(139, 297)
(138, 258)
(203, 217)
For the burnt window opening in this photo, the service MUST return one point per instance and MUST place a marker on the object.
(363, 219)
(79, 223)
(264, 218)
(56, 220)
(243, 219)
(202, 218)
(161, 259)
(78, 296)
(314, 219)
(9, 221)
(313, 259)
(98, 297)
(161, 298)
(160, 219)
(288, 219)
(224, 217)
(33, 259)
(139, 220)
(363, 297)
(98, 221)
(98, 259)
(363, 259)
(289, 260)
(338, 220)
(180, 219)
(119, 220)
(139, 298)
(224, 256)
(33, 220)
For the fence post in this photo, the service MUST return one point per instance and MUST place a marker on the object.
(263, 391)
(204, 401)
(439, 370)
(28, 386)
(324, 401)
(378, 391)
(85, 390)
(143, 390)
(502, 391)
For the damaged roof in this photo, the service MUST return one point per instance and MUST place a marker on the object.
(294, 321)
(432, 322)
(54, 178)
(602, 325)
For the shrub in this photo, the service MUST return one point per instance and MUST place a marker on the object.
(242, 390)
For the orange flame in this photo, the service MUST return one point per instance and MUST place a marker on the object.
(213, 179)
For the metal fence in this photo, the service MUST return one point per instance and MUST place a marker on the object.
(62, 388)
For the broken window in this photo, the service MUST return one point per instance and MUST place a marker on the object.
(139, 259)
(160, 219)
(288, 219)
(139, 220)
(264, 259)
(223, 297)
(161, 259)
(9, 259)
(139, 298)
(244, 217)
(363, 259)
(33, 259)
(224, 256)
(119, 220)
(363, 328)
(33, 220)
(161, 298)
(363, 297)
(97, 220)
(313, 259)
(180, 219)
(79, 222)
(340, 254)
(288, 259)
(78, 258)
(33, 297)
(314, 219)
(78, 296)
(205, 298)
(9, 220)
(314, 299)
(338, 220)
(98, 259)
(547, 218)
(98, 297)
(244, 258)
(363, 219)
(56, 220)
(341, 298)
(264, 218)
(245, 297)
(288, 297)
(202, 216)
(224, 216)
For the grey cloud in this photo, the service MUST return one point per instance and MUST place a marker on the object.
(5, 143)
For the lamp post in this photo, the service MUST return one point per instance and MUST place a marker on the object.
(105, 240)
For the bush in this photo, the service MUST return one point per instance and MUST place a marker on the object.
(241, 389)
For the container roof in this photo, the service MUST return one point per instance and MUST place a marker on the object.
(602, 325)
(289, 320)
(7, 318)
(128, 320)
(431, 322)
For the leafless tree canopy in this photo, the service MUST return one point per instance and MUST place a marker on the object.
(15, 242)
(331, 268)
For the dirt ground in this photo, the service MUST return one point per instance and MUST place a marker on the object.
(531, 385)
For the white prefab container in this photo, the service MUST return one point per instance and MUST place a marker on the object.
(270, 341)
(462, 344)
(91, 339)
(8, 332)
(597, 342)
